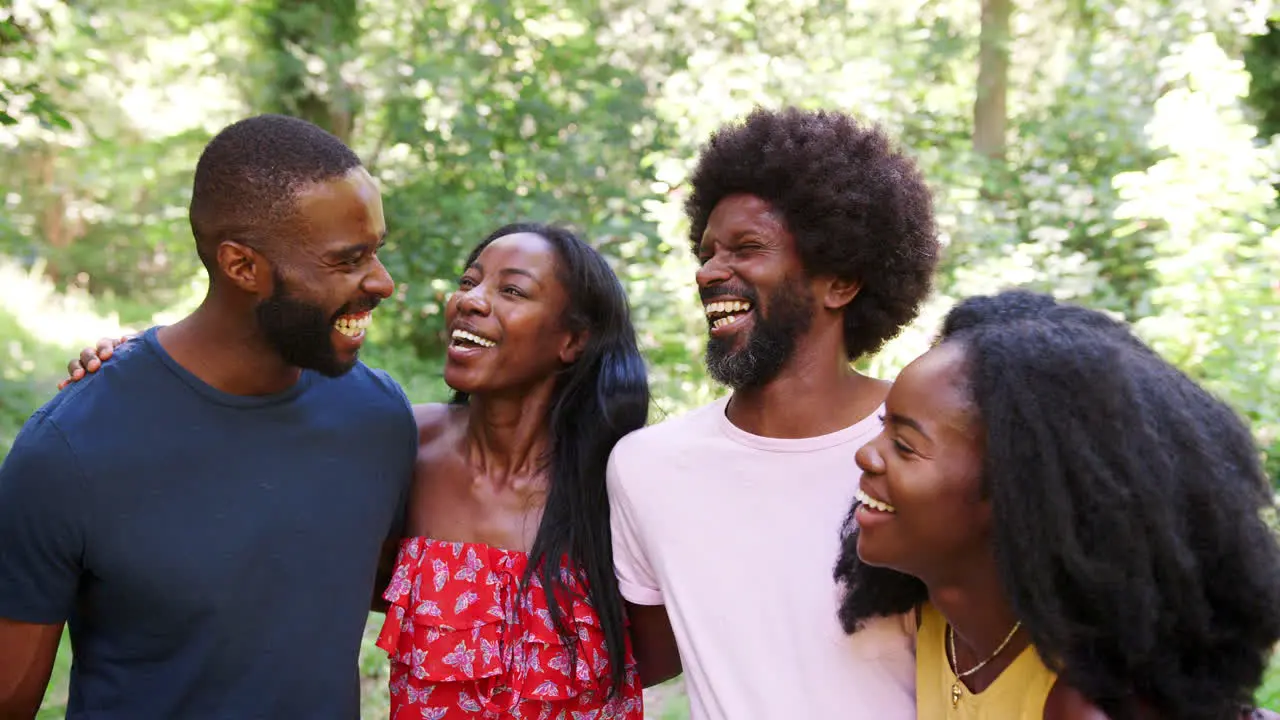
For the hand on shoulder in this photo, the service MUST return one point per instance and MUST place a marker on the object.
(91, 358)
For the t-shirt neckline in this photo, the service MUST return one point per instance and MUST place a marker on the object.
(864, 428)
(208, 391)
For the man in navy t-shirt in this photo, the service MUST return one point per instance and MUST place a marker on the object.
(206, 512)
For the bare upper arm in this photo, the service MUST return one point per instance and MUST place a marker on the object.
(654, 643)
(1067, 703)
(26, 660)
(432, 420)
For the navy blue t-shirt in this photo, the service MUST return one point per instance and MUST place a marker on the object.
(213, 555)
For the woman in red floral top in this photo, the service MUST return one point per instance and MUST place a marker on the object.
(503, 602)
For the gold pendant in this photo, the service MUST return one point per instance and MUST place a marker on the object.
(955, 693)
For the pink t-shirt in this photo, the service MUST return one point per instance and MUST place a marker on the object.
(737, 535)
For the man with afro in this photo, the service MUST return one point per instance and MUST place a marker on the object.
(817, 243)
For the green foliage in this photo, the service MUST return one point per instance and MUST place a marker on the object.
(24, 93)
(1262, 60)
(1268, 696)
(490, 114)
(101, 199)
(1134, 180)
(40, 330)
(305, 47)
(1215, 304)
(20, 391)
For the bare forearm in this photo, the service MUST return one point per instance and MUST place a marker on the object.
(26, 662)
(654, 644)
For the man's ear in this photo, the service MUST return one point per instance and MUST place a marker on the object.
(840, 292)
(573, 347)
(244, 267)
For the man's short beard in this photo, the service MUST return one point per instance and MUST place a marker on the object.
(771, 342)
(299, 331)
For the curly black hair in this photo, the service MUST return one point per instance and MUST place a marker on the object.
(858, 208)
(1127, 509)
(249, 173)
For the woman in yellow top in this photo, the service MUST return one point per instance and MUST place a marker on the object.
(1076, 522)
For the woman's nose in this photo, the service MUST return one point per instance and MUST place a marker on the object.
(869, 459)
(473, 301)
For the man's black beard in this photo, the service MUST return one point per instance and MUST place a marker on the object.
(771, 342)
(300, 331)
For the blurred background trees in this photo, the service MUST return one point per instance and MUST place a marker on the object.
(1121, 154)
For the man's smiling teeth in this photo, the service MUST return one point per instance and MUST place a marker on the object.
(874, 504)
(353, 326)
(727, 310)
(472, 338)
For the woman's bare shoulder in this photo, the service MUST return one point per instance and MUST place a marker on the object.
(434, 419)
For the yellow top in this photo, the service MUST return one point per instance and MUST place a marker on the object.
(1018, 694)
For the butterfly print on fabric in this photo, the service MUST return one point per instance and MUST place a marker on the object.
(467, 642)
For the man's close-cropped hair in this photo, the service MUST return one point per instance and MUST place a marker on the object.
(249, 173)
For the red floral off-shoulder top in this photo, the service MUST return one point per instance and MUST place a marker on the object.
(465, 643)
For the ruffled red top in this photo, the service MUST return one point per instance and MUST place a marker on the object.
(464, 642)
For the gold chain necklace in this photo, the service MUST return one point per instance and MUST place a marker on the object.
(957, 686)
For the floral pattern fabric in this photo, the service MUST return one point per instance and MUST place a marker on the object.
(464, 642)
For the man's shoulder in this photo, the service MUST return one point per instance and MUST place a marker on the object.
(91, 407)
(40, 433)
(372, 401)
(363, 378)
(119, 384)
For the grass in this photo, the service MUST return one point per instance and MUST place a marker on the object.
(55, 698)
(1268, 696)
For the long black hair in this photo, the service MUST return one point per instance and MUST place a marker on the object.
(596, 401)
(1127, 509)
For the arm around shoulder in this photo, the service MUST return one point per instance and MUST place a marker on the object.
(654, 643)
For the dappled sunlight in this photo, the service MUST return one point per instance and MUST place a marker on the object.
(1135, 170)
(73, 318)
(54, 318)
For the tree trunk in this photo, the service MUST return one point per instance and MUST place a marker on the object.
(326, 29)
(990, 112)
